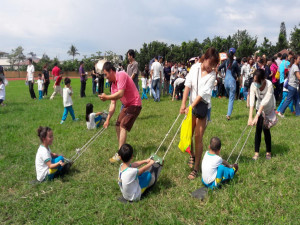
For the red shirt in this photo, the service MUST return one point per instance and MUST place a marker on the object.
(58, 80)
(55, 71)
(131, 95)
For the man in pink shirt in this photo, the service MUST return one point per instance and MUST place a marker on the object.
(122, 88)
(55, 71)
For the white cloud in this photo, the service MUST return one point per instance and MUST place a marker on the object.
(92, 25)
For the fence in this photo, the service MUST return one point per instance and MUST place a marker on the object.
(22, 74)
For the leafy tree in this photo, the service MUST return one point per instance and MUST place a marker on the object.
(32, 54)
(295, 40)
(16, 56)
(244, 44)
(282, 39)
(73, 51)
(267, 48)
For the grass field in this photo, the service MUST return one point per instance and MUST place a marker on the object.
(263, 192)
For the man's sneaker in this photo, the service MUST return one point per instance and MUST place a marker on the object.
(115, 158)
(61, 122)
(76, 119)
(235, 167)
(281, 115)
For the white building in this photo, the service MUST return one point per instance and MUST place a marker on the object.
(4, 61)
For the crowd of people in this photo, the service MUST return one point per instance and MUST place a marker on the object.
(259, 81)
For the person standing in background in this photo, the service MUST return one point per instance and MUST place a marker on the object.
(46, 79)
(82, 79)
(30, 78)
(132, 68)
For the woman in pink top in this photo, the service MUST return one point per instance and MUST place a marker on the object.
(274, 69)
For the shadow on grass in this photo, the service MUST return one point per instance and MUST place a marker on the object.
(279, 149)
(148, 150)
(162, 184)
(147, 117)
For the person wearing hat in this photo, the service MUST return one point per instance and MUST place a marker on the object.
(231, 70)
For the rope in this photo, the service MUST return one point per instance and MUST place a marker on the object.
(167, 134)
(85, 147)
(237, 143)
(244, 145)
(173, 140)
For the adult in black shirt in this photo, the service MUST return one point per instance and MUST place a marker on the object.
(46, 80)
(94, 75)
(167, 75)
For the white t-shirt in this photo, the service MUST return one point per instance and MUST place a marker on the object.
(265, 97)
(40, 84)
(210, 164)
(156, 67)
(67, 99)
(245, 72)
(205, 84)
(129, 183)
(178, 81)
(144, 82)
(175, 73)
(91, 124)
(43, 155)
(2, 91)
(30, 71)
(293, 80)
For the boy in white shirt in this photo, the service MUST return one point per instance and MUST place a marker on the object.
(2, 92)
(133, 181)
(40, 83)
(144, 86)
(215, 170)
(67, 100)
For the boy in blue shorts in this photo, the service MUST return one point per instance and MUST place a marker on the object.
(133, 181)
(215, 170)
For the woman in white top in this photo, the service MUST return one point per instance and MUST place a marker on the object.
(200, 82)
(262, 90)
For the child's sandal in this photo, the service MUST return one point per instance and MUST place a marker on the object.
(191, 162)
(268, 156)
(255, 157)
(193, 175)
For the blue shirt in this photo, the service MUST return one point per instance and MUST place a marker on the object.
(284, 65)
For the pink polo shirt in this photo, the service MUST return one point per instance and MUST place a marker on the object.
(131, 95)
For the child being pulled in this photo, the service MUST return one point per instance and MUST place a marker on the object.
(133, 181)
(215, 170)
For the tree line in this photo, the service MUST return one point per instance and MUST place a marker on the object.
(244, 43)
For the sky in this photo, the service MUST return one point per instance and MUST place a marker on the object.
(51, 27)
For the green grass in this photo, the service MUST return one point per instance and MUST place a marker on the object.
(263, 192)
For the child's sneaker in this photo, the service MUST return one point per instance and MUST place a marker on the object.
(235, 167)
(76, 119)
(61, 122)
(281, 115)
(115, 158)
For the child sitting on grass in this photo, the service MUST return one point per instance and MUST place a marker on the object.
(67, 100)
(47, 164)
(92, 118)
(2, 92)
(133, 181)
(215, 170)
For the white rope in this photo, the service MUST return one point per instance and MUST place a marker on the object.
(167, 134)
(237, 143)
(173, 139)
(85, 147)
(244, 145)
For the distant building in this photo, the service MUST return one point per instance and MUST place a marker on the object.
(4, 60)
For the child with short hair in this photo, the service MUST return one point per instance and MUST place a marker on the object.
(47, 164)
(215, 170)
(67, 101)
(92, 118)
(144, 86)
(40, 83)
(133, 181)
(2, 92)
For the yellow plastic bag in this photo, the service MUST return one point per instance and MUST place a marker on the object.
(186, 132)
(277, 75)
